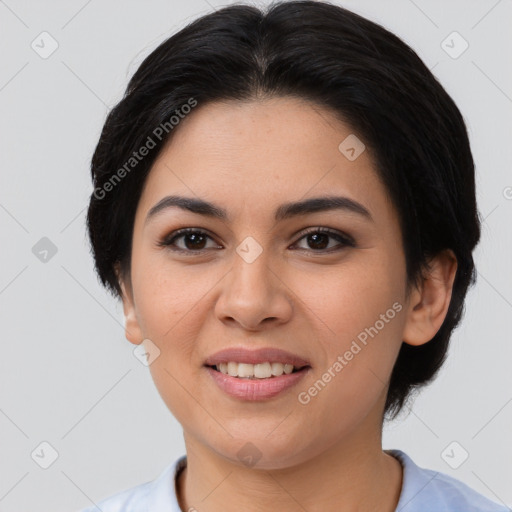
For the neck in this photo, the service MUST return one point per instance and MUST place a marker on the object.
(354, 474)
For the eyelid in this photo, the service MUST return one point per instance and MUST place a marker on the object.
(343, 238)
(167, 240)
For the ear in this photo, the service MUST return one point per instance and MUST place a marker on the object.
(429, 304)
(133, 332)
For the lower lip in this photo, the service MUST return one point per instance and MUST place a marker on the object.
(256, 389)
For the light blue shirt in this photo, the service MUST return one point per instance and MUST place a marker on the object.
(423, 490)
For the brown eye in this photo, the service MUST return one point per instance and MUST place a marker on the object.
(193, 240)
(317, 239)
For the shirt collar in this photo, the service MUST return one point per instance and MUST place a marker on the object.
(414, 481)
(163, 492)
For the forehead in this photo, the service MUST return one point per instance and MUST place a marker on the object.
(259, 154)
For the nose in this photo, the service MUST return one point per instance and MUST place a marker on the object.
(253, 296)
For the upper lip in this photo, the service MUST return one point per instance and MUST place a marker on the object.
(255, 356)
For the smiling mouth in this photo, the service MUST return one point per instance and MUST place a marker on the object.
(256, 371)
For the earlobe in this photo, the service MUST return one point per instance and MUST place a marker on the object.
(133, 332)
(429, 303)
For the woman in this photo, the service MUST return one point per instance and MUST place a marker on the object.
(285, 203)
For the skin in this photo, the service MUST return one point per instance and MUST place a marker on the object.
(250, 157)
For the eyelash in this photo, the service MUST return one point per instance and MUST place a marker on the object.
(345, 240)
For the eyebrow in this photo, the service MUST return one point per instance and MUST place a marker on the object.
(283, 212)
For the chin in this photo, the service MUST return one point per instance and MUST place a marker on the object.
(261, 453)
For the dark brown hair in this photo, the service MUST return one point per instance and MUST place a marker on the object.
(339, 60)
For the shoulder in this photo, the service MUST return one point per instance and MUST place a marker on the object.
(154, 496)
(424, 490)
(127, 500)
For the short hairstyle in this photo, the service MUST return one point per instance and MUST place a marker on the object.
(334, 58)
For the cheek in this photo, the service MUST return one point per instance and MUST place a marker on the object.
(362, 307)
(363, 311)
(351, 297)
(168, 295)
(172, 304)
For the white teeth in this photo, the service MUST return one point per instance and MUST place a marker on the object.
(262, 370)
(254, 371)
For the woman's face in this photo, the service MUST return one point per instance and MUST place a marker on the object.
(252, 281)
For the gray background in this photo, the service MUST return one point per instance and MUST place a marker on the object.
(69, 377)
